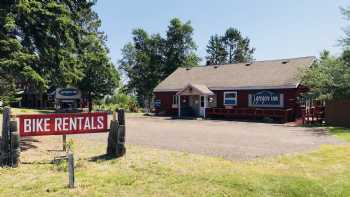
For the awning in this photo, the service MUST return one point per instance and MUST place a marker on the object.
(195, 89)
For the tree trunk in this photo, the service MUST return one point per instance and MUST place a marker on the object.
(90, 102)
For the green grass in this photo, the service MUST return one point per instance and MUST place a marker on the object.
(150, 172)
(341, 133)
(18, 111)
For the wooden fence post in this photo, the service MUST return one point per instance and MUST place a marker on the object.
(5, 143)
(112, 137)
(71, 170)
(121, 133)
(116, 136)
(15, 149)
(64, 143)
(10, 142)
(121, 116)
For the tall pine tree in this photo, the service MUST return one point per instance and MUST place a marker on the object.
(229, 49)
(216, 51)
(53, 43)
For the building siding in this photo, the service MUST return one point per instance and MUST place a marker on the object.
(290, 100)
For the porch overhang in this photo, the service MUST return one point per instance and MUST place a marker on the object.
(195, 89)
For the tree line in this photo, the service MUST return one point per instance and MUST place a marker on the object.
(58, 43)
(53, 43)
(329, 77)
(150, 58)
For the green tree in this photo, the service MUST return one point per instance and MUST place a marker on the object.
(216, 51)
(37, 44)
(150, 58)
(142, 62)
(229, 49)
(100, 76)
(328, 78)
(179, 47)
(346, 57)
(51, 43)
(237, 47)
(346, 40)
(16, 62)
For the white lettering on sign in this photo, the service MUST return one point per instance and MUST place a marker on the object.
(266, 98)
(80, 120)
(46, 124)
(87, 124)
(27, 127)
(63, 124)
(36, 125)
(58, 124)
(99, 122)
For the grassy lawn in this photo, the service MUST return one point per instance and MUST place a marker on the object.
(152, 172)
(19, 111)
(341, 133)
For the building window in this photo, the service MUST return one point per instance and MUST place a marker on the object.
(202, 101)
(230, 98)
(175, 100)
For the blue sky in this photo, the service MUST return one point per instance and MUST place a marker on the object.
(277, 28)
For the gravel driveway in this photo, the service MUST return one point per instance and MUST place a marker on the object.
(228, 139)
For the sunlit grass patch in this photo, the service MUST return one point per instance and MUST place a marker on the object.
(19, 111)
(151, 172)
(341, 133)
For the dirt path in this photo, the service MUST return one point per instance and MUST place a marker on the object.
(227, 139)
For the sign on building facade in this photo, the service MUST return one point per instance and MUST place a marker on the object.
(266, 99)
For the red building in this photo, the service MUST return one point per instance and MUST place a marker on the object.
(246, 90)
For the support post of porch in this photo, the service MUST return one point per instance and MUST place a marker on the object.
(205, 106)
(179, 106)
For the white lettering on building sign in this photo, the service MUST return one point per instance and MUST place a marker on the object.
(266, 99)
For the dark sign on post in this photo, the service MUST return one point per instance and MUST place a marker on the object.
(157, 103)
(60, 124)
(68, 92)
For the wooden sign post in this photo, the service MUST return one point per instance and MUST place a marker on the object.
(116, 136)
(71, 170)
(10, 147)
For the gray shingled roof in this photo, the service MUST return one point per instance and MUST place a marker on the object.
(269, 74)
(202, 89)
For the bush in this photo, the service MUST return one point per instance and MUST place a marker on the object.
(119, 101)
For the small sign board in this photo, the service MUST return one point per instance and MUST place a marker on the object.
(67, 93)
(157, 103)
(266, 99)
(62, 124)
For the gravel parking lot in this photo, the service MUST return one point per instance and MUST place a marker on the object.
(228, 139)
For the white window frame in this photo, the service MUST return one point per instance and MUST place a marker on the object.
(236, 99)
(175, 101)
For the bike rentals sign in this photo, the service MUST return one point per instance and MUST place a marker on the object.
(62, 124)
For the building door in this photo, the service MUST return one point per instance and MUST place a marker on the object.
(202, 106)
